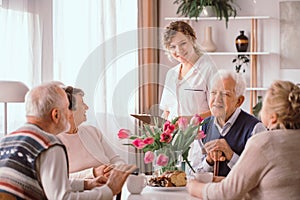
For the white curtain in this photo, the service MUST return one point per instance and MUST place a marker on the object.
(95, 49)
(88, 44)
(20, 52)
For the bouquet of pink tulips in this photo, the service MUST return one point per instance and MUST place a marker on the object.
(173, 136)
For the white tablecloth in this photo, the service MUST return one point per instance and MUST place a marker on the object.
(151, 194)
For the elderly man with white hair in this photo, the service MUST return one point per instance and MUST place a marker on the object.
(229, 127)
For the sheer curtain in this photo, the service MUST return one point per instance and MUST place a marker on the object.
(20, 52)
(95, 48)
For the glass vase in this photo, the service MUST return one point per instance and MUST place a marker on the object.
(166, 159)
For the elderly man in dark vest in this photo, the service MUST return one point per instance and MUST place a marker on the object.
(229, 127)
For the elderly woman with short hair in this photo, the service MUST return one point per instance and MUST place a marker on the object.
(90, 155)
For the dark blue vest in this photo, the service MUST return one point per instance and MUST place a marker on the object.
(236, 138)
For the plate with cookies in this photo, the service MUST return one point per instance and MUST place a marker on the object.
(168, 181)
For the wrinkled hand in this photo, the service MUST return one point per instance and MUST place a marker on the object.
(95, 182)
(103, 170)
(118, 177)
(219, 145)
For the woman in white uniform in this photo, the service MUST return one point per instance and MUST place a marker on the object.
(186, 86)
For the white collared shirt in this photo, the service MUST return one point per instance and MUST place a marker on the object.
(225, 129)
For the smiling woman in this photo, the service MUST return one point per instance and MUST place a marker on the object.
(186, 87)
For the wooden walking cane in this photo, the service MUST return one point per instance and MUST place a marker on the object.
(216, 162)
(119, 196)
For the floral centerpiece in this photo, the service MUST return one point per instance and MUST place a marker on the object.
(166, 141)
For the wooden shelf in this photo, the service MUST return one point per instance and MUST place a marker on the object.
(236, 53)
(253, 53)
(215, 18)
(256, 89)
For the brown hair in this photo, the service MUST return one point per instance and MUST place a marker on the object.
(183, 27)
(284, 100)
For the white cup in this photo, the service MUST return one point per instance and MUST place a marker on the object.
(203, 177)
(136, 183)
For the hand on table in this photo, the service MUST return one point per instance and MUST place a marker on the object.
(194, 188)
(118, 177)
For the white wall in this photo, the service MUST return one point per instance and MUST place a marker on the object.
(268, 39)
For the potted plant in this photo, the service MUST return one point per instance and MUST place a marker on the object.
(239, 61)
(193, 8)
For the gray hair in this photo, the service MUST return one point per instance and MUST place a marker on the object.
(71, 93)
(240, 83)
(40, 100)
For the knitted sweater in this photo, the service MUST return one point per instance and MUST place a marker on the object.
(18, 154)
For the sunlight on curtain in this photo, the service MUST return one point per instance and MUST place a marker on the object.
(95, 49)
(18, 28)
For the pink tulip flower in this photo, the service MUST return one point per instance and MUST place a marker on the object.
(166, 137)
(200, 135)
(182, 123)
(139, 143)
(123, 133)
(149, 157)
(162, 160)
(196, 120)
(168, 127)
(149, 140)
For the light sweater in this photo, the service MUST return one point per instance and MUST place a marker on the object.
(269, 168)
(88, 149)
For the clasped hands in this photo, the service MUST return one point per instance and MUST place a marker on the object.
(218, 150)
(113, 176)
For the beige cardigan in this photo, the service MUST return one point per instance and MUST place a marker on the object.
(269, 168)
(94, 142)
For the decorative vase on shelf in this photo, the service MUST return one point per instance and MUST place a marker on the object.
(241, 42)
(208, 44)
(207, 11)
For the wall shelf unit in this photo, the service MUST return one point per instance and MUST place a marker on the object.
(215, 18)
(253, 53)
(236, 53)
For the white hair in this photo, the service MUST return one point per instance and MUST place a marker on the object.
(240, 83)
(40, 100)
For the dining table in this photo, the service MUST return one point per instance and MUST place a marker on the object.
(154, 193)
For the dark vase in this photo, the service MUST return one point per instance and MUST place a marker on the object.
(241, 42)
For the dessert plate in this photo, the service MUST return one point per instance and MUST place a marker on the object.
(167, 188)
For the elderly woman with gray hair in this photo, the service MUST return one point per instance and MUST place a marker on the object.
(90, 155)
